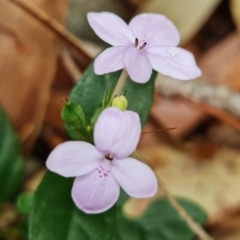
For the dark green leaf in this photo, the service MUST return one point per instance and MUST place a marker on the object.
(73, 114)
(89, 93)
(127, 229)
(160, 221)
(54, 215)
(11, 162)
(74, 117)
(122, 198)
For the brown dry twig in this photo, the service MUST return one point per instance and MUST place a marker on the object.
(54, 26)
(212, 111)
(69, 64)
(225, 100)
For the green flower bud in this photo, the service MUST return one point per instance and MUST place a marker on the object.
(120, 103)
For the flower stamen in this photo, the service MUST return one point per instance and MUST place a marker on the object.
(136, 42)
(109, 156)
(143, 46)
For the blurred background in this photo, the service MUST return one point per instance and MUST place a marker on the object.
(199, 160)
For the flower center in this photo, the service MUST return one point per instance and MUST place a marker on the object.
(142, 46)
(109, 156)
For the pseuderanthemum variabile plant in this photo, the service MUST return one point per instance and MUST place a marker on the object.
(102, 169)
(149, 41)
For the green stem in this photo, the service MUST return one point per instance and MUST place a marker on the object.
(121, 81)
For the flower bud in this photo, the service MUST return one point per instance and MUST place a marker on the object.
(120, 103)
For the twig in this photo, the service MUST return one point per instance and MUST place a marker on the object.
(217, 113)
(191, 223)
(159, 130)
(54, 26)
(69, 64)
(25, 132)
(219, 97)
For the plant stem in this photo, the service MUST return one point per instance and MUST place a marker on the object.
(121, 81)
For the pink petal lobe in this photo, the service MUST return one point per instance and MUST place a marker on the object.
(137, 65)
(110, 60)
(136, 178)
(117, 132)
(110, 28)
(73, 158)
(155, 29)
(174, 62)
(97, 191)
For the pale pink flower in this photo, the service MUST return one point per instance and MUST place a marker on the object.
(149, 41)
(102, 169)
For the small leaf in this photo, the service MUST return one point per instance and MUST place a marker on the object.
(11, 162)
(73, 114)
(54, 215)
(107, 97)
(74, 117)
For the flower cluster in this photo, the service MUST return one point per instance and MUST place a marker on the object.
(148, 42)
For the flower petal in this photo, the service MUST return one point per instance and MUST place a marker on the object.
(110, 28)
(137, 65)
(174, 62)
(155, 29)
(97, 191)
(71, 159)
(136, 178)
(110, 60)
(117, 132)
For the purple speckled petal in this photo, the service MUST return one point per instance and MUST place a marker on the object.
(97, 191)
(71, 159)
(155, 29)
(110, 60)
(174, 62)
(117, 132)
(111, 28)
(137, 65)
(136, 178)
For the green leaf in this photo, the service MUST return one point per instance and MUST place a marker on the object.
(89, 93)
(54, 215)
(160, 221)
(74, 117)
(127, 229)
(11, 162)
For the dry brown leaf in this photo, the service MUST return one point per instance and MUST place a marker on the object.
(220, 65)
(188, 15)
(28, 54)
(172, 113)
